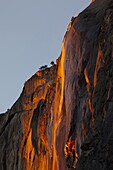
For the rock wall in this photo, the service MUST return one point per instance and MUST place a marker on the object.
(63, 118)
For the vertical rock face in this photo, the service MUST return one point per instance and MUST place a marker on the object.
(64, 117)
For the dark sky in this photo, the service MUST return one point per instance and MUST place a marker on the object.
(31, 34)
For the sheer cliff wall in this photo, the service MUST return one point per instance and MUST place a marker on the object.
(63, 118)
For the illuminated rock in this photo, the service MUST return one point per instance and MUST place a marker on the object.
(64, 117)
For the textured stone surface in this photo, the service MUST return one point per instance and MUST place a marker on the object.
(63, 120)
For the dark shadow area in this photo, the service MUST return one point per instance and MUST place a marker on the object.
(34, 123)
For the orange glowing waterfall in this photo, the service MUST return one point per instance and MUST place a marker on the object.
(58, 107)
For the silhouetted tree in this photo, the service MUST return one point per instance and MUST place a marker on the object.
(52, 63)
(43, 67)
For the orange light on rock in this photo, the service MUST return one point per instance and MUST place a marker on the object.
(86, 77)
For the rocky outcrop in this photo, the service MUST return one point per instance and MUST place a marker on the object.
(63, 119)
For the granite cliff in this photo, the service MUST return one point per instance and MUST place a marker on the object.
(63, 119)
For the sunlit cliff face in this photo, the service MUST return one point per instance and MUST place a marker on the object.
(36, 148)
